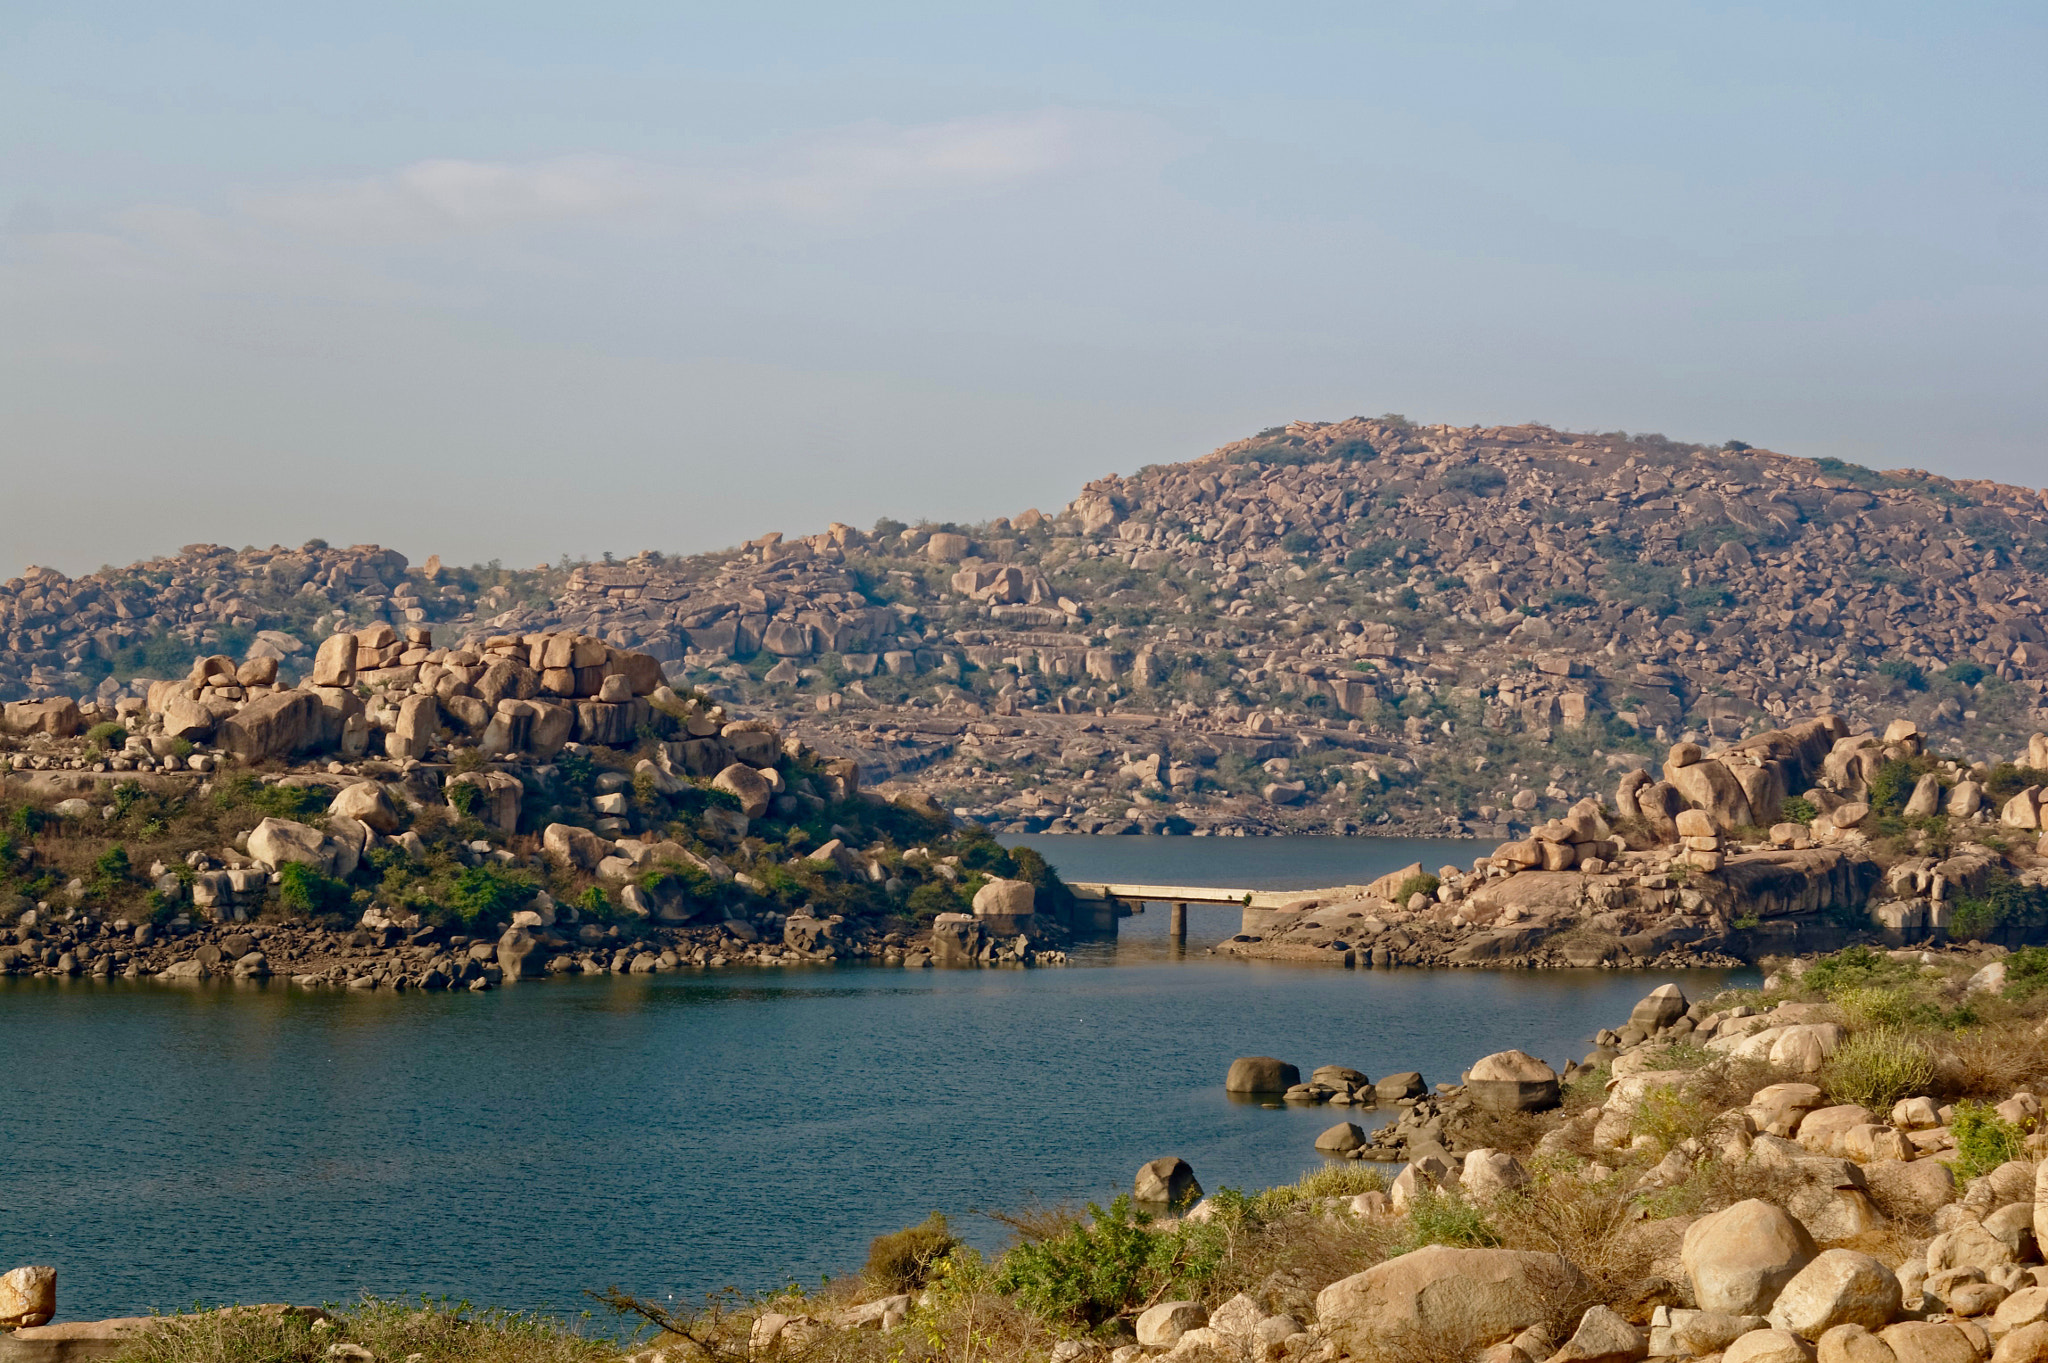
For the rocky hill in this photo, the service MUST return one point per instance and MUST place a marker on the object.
(1330, 626)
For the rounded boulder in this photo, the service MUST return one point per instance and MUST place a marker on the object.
(1260, 1074)
(1169, 1180)
(1741, 1257)
(1513, 1081)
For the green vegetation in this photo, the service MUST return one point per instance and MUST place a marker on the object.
(309, 893)
(1424, 884)
(1877, 1066)
(2004, 904)
(1096, 1272)
(1444, 1218)
(1984, 1140)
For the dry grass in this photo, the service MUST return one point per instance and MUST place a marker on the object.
(434, 1332)
(1990, 1061)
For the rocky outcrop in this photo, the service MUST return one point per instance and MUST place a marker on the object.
(1448, 1296)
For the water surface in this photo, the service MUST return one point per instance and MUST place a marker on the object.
(675, 1133)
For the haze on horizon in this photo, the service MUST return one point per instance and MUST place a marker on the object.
(513, 281)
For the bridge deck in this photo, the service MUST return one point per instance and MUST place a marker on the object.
(1188, 894)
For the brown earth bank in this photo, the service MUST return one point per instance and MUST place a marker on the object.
(1846, 1165)
(1326, 627)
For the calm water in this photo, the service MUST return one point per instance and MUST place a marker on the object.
(674, 1134)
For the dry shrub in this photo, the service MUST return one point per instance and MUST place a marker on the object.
(902, 1260)
(1989, 1062)
(438, 1332)
(1561, 1212)
(1516, 1131)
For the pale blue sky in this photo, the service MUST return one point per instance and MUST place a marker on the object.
(511, 281)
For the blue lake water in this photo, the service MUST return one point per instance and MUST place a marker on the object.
(673, 1134)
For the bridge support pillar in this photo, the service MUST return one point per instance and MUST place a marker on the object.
(1178, 925)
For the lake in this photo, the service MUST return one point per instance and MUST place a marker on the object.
(672, 1134)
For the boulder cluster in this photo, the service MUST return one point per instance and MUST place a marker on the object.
(1319, 628)
(1702, 863)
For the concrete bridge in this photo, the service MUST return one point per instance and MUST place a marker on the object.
(1121, 899)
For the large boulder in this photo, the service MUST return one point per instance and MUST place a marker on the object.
(1005, 899)
(1929, 1341)
(335, 663)
(58, 717)
(1168, 1179)
(367, 802)
(746, 785)
(1742, 1256)
(1708, 786)
(1161, 1326)
(1664, 1006)
(1603, 1336)
(1512, 1081)
(1341, 1139)
(1488, 1173)
(274, 842)
(1768, 1346)
(568, 845)
(1840, 1287)
(499, 796)
(520, 955)
(1260, 1074)
(1394, 1087)
(28, 1296)
(272, 726)
(1450, 1298)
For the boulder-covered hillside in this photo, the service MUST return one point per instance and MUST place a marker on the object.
(1326, 626)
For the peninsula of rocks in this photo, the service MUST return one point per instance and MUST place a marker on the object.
(1366, 625)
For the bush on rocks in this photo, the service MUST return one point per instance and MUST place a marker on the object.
(902, 1261)
(1877, 1067)
(1096, 1272)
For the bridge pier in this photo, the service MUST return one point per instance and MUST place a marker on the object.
(1177, 926)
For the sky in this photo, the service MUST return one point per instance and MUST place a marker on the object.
(512, 281)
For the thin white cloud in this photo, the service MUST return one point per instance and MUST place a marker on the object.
(442, 198)
(853, 169)
(816, 178)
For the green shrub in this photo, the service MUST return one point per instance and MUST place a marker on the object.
(106, 736)
(1799, 809)
(278, 802)
(1893, 784)
(1902, 674)
(2003, 904)
(901, 1261)
(934, 897)
(1299, 542)
(310, 893)
(1984, 1140)
(1878, 1066)
(1109, 1266)
(111, 867)
(1481, 480)
(1874, 1005)
(2026, 972)
(1964, 671)
(488, 894)
(464, 797)
(1854, 967)
(1414, 885)
(2008, 779)
(1444, 1218)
